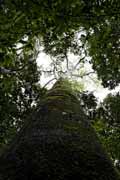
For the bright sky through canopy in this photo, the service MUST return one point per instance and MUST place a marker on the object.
(91, 83)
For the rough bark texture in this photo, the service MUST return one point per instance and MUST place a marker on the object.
(57, 144)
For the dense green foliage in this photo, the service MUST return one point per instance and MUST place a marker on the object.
(19, 91)
(107, 125)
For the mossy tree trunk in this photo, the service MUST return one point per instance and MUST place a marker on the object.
(57, 144)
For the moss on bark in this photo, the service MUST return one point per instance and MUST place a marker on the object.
(58, 144)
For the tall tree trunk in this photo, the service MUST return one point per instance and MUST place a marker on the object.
(57, 144)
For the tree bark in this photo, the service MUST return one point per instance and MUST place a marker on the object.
(57, 143)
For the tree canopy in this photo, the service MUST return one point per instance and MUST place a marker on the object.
(55, 24)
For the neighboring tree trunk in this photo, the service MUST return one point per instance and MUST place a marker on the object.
(57, 144)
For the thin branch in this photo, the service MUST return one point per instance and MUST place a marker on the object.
(79, 62)
(81, 76)
(6, 71)
(47, 71)
(49, 82)
(67, 60)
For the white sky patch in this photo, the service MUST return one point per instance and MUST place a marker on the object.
(44, 62)
(91, 82)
